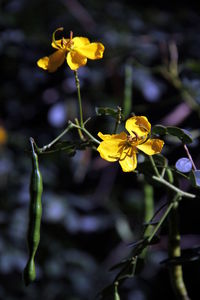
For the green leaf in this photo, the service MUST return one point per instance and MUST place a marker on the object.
(187, 256)
(180, 260)
(108, 111)
(159, 129)
(180, 134)
(69, 147)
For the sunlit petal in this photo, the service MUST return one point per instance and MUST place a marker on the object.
(80, 42)
(128, 162)
(139, 125)
(92, 51)
(75, 60)
(151, 146)
(122, 136)
(112, 146)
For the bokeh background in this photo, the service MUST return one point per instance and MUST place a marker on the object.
(91, 210)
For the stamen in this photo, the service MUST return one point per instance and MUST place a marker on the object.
(71, 35)
(69, 42)
(134, 138)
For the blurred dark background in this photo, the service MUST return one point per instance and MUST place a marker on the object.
(91, 210)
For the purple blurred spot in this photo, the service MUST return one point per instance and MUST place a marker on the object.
(177, 116)
(57, 115)
(150, 88)
(55, 211)
(151, 91)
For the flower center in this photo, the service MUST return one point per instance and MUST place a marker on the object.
(68, 44)
(133, 140)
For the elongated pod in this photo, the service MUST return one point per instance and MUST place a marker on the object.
(35, 213)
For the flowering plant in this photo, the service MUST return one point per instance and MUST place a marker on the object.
(124, 148)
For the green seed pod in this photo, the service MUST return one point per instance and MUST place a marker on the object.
(116, 291)
(35, 213)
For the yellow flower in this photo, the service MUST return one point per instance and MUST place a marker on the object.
(75, 50)
(123, 147)
(3, 136)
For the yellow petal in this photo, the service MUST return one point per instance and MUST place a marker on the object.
(139, 125)
(129, 162)
(112, 146)
(43, 62)
(151, 146)
(121, 136)
(75, 60)
(52, 62)
(92, 51)
(80, 41)
(104, 136)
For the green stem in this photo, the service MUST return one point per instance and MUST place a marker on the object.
(154, 166)
(176, 272)
(44, 148)
(69, 127)
(118, 120)
(161, 220)
(79, 97)
(148, 211)
(174, 248)
(174, 188)
(86, 132)
(79, 130)
(148, 206)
